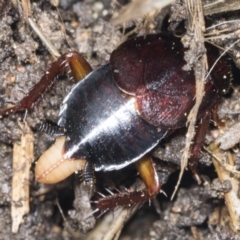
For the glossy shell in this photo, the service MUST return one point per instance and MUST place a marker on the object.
(121, 111)
(102, 124)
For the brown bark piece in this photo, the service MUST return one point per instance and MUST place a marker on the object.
(23, 155)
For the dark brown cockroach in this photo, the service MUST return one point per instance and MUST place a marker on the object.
(118, 113)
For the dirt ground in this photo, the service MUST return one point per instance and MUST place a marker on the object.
(59, 211)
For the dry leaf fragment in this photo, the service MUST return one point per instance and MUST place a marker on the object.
(139, 8)
(231, 198)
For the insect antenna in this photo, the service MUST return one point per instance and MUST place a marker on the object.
(51, 129)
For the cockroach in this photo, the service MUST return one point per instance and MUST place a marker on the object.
(120, 112)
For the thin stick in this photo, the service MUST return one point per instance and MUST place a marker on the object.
(118, 223)
(195, 28)
(51, 48)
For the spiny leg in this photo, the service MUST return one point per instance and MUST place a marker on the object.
(148, 174)
(79, 68)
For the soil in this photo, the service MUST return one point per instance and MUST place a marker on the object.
(59, 211)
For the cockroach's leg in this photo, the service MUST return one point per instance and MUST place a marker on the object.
(197, 145)
(79, 69)
(149, 175)
(52, 167)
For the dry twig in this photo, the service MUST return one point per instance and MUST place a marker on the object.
(195, 41)
(221, 6)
